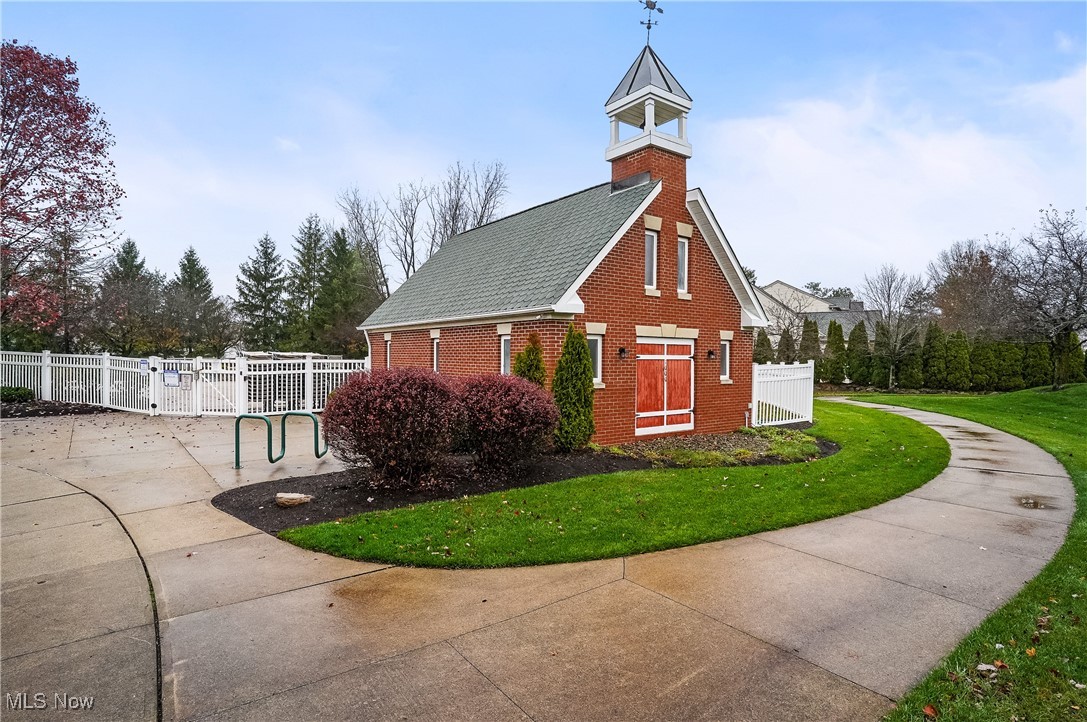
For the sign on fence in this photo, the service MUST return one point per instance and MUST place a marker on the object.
(182, 387)
(782, 393)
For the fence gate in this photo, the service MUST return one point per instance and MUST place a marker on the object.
(782, 393)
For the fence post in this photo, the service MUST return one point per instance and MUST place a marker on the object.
(309, 382)
(241, 388)
(106, 392)
(154, 369)
(47, 376)
(754, 395)
(811, 392)
(197, 396)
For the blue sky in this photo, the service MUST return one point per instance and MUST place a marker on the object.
(829, 137)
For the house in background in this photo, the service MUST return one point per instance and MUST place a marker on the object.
(639, 264)
(788, 307)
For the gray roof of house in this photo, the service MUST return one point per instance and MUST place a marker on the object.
(524, 261)
(648, 69)
(848, 319)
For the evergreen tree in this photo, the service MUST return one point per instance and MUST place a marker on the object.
(200, 322)
(934, 358)
(529, 363)
(573, 390)
(834, 357)
(858, 356)
(809, 347)
(344, 299)
(1009, 366)
(910, 372)
(958, 362)
(1037, 368)
(982, 365)
(128, 309)
(786, 348)
(303, 283)
(1067, 360)
(261, 283)
(764, 350)
(881, 370)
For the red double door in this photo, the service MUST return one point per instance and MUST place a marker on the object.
(665, 400)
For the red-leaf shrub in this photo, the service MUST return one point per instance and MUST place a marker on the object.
(400, 421)
(506, 420)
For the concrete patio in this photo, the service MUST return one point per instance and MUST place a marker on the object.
(826, 621)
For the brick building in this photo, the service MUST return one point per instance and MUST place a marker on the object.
(639, 264)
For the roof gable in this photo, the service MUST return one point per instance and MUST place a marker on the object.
(524, 262)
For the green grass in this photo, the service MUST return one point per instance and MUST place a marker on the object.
(596, 517)
(1049, 615)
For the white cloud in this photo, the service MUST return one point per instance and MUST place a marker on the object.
(1059, 104)
(1065, 44)
(825, 189)
(287, 145)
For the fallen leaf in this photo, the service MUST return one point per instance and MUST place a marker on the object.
(1000, 665)
(331, 603)
(1031, 651)
(930, 711)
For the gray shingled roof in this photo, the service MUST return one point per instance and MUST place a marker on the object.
(847, 319)
(647, 70)
(524, 261)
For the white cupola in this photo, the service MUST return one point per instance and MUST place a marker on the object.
(648, 97)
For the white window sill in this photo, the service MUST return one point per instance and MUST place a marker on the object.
(652, 292)
(726, 380)
(684, 296)
(599, 385)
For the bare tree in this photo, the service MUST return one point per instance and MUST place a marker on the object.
(897, 298)
(366, 228)
(785, 310)
(969, 291)
(405, 226)
(466, 198)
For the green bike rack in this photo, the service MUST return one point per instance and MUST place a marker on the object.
(317, 450)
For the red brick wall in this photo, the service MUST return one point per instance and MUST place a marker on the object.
(615, 294)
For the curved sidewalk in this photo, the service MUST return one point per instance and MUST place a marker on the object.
(830, 620)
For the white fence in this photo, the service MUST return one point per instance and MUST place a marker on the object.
(782, 393)
(180, 387)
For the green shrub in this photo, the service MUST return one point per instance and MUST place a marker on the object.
(858, 356)
(1009, 366)
(15, 395)
(835, 355)
(529, 363)
(881, 364)
(809, 347)
(764, 350)
(572, 388)
(1067, 359)
(786, 348)
(934, 358)
(1037, 366)
(958, 362)
(983, 368)
(910, 374)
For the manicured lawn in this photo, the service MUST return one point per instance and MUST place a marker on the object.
(596, 517)
(1044, 628)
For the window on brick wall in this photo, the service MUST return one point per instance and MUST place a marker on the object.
(435, 355)
(506, 361)
(388, 354)
(726, 347)
(596, 355)
(681, 264)
(650, 259)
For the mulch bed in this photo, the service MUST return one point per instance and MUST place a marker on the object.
(346, 493)
(38, 409)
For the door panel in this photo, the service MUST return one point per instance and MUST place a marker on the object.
(678, 376)
(650, 385)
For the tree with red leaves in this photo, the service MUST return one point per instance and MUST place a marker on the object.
(58, 180)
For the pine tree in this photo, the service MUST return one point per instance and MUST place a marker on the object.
(982, 365)
(1067, 360)
(858, 356)
(809, 346)
(573, 390)
(934, 358)
(529, 363)
(1009, 366)
(881, 369)
(958, 362)
(1037, 367)
(834, 357)
(764, 350)
(910, 372)
(200, 321)
(261, 283)
(129, 305)
(786, 348)
(343, 300)
(303, 283)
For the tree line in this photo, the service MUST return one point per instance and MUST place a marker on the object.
(988, 315)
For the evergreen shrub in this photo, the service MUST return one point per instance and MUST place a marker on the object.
(573, 390)
(529, 363)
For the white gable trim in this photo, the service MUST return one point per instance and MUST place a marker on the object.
(751, 310)
(570, 300)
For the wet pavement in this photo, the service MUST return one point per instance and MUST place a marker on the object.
(826, 621)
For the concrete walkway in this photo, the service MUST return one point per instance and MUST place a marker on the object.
(826, 621)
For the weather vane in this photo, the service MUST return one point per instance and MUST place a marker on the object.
(649, 22)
